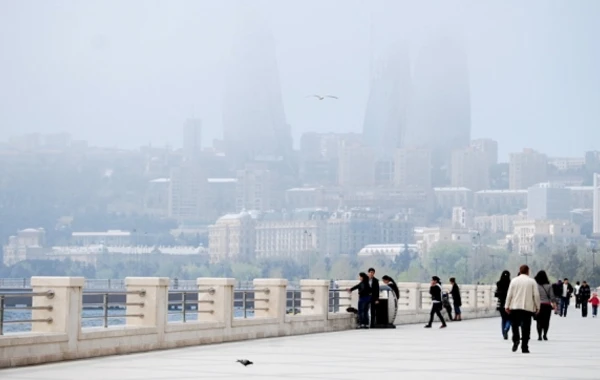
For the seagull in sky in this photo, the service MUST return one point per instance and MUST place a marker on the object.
(321, 97)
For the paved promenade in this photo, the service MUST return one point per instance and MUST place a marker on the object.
(469, 350)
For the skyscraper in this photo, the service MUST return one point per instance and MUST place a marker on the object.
(387, 106)
(526, 169)
(192, 139)
(254, 123)
(440, 116)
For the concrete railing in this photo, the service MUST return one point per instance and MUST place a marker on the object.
(57, 334)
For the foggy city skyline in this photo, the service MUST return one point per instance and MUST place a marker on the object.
(137, 71)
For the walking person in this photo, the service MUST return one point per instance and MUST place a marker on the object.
(501, 291)
(565, 297)
(577, 298)
(364, 300)
(547, 304)
(584, 296)
(446, 304)
(435, 290)
(557, 288)
(374, 284)
(595, 301)
(522, 302)
(456, 299)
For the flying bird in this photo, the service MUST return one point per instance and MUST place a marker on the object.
(245, 362)
(321, 97)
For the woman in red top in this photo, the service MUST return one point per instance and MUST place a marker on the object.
(595, 301)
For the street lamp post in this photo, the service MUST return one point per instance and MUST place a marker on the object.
(309, 237)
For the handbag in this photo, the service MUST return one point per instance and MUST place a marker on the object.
(551, 302)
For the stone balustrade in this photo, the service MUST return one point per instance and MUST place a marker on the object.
(57, 332)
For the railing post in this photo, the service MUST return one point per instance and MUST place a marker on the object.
(314, 297)
(148, 302)
(414, 298)
(270, 298)
(471, 292)
(343, 285)
(215, 300)
(65, 304)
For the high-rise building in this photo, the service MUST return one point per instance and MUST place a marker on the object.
(440, 117)
(548, 201)
(387, 106)
(187, 192)
(254, 189)
(470, 169)
(192, 139)
(412, 168)
(526, 169)
(596, 213)
(254, 122)
(489, 147)
(356, 165)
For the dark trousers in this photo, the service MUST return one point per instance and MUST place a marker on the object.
(543, 319)
(363, 311)
(577, 302)
(373, 313)
(594, 310)
(584, 307)
(505, 320)
(436, 309)
(520, 321)
(564, 305)
(449, 311)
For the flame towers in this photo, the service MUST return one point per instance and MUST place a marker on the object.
(387, 106)
(440, 117)
(254, 123)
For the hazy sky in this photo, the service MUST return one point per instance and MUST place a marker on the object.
(125, 73)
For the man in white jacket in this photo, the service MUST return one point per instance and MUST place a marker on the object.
(522, 302)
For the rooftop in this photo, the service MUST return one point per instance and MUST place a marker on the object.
(470, 350)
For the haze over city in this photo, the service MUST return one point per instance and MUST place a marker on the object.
(126, 74)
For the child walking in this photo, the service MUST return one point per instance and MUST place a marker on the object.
(595, 301)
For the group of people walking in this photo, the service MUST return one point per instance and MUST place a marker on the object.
(523, 298)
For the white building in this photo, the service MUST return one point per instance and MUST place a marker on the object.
(462, 218)
(110, 237)
(496, 223)
(26, 245)
(232, 236)
(500, 201)
(531, 236)
(547, 201)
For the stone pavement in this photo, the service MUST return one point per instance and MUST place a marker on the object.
(466, 350)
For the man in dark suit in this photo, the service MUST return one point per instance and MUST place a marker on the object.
(374, 283)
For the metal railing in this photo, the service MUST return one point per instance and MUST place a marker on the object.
(294, 300)
(107, 305)
(247, 300)
(3, 308)
(186, 303)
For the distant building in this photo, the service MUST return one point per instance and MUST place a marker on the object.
(596, 211)
(356, 165)
(156, 198)
(446, 198)
(304, 197)
(221, 197)
(527, 168)
(187, 192)
(582, 197)
(412, 168)
(28, 244)
(567, 163)
(192, 139)
(531, 236)
(547, 201)
(387, 250)
(300, 233)
(233, 236)
(470, 168)
(462, 218)
(500, 201)
(489, 147)
(253, 189)
(110, 237)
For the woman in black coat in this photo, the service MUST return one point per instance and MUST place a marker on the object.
(456, 299)
(501, 293)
